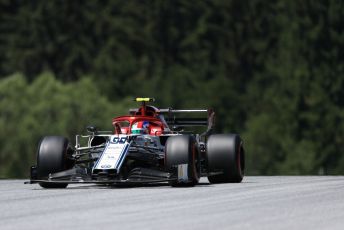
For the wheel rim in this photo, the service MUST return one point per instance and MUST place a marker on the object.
(194, 166)
(239, 160)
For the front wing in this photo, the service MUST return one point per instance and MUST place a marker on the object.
(136, 177)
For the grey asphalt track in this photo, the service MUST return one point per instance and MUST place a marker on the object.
(258, 203)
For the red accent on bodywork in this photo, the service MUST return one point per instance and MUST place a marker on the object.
(239, 159)
(156, 125)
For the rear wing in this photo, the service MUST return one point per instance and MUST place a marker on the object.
(208, 118)
(171, 118)
(205, 117)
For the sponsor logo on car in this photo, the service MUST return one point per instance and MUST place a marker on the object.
(105, 166)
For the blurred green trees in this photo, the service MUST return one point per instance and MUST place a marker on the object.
(30, 111)
(273, 71)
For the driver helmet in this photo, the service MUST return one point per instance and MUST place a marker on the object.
(140, 127)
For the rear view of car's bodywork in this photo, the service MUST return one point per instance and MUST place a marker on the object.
(160, 150)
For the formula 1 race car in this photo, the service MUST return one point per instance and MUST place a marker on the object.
(149, 145)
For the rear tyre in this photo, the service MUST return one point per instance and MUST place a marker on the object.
(183, 150)
(225, 153)
(52, 158)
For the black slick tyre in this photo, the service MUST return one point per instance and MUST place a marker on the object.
(225, 153)
(51, 158)
(183, 150)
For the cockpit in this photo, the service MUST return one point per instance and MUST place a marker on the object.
(143, 120)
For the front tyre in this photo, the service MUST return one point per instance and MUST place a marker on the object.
(51, 158)
(225, 158)
(183, 150)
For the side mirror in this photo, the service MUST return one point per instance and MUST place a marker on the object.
(91, 129)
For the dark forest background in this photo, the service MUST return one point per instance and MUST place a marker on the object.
(272, 70)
